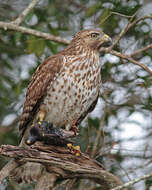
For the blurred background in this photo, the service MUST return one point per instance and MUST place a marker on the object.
(118, 133)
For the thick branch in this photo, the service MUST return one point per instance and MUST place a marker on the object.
(37, 33)
(69, 165)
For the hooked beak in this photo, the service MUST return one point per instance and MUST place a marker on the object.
(106, 41)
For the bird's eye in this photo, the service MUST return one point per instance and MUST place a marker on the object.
(94, 35)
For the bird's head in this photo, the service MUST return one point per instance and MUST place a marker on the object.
(94, 39)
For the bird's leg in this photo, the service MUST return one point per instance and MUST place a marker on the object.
(74, 149)
(74, 127)
(41, 115)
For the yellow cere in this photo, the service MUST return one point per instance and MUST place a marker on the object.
(106, 36)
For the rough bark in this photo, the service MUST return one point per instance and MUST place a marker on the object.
(60, 164)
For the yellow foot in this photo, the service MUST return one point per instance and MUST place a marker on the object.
(74, 149)
(40, 116)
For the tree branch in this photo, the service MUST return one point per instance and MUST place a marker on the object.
(25, 12)
(141, 50)
(69, 166)
(128, 184)
(10, 26)
(127, 57)
(128, 26)
(139, 19)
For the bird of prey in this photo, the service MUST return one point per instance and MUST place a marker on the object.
(62, 91)
(65, 87)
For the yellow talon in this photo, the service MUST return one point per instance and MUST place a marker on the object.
(41, 115)
(39, 123)
(69, 145)
(77, 154)
(74, 149)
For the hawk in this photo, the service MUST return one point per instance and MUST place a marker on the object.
(65, 87)
(63, 90)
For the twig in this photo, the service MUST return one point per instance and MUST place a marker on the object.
(97, 139)
(122, 32)
(128, 184)
(62, 184)
(121, 15)
(70, 184)
(139, 19)
(131, 60)
(25, 12)
(25, 30)
(128, 26)
(114, 13)
(141, 50)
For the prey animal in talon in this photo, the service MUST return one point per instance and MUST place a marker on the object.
(46, 133)
(34, 134)
(48, 129)
(74, 149)
(35, 131)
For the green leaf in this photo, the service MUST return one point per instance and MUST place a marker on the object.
(104, 16)
(93, 9)
(30, 15)
(17, 36)
(93, 122)
(52, 46)
(36, 45)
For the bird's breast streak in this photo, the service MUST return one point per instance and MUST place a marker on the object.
(71, 94)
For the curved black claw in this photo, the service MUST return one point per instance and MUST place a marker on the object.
(47, 133)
